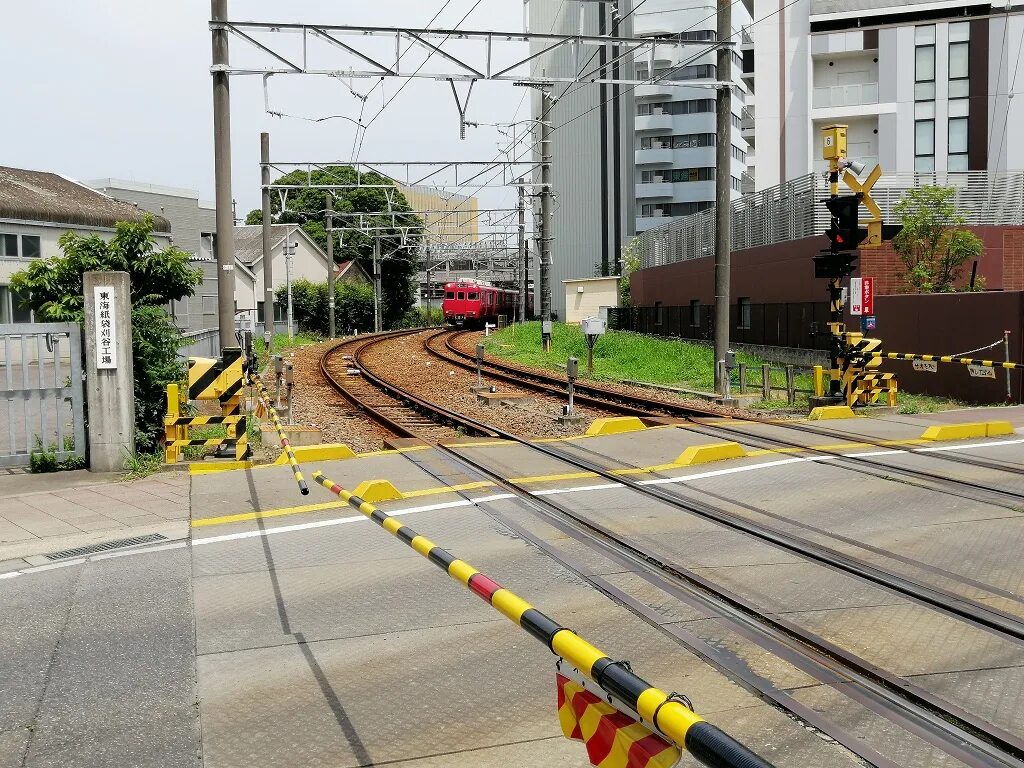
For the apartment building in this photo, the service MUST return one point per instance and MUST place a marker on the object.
(675, 124)
(449, 218)
(923, 86)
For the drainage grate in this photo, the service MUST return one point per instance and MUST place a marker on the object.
(92, 549)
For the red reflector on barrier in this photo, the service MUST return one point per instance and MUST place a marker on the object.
(613, 739)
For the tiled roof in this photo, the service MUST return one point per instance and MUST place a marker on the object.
(49, 197)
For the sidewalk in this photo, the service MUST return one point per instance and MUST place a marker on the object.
(40, 514)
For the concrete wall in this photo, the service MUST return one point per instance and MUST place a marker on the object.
(784, 272)
(951, 324)
(584, 298)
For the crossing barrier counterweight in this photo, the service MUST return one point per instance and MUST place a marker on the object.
(707, 743)
(268, 406)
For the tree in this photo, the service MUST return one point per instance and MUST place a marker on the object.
(55, 290)
(307, 207)
(353, 305)
(933, 244)
(630, 264)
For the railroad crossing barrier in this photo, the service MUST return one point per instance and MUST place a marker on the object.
(668, 714)
(948, 359)
(176, 430)
(268, 406)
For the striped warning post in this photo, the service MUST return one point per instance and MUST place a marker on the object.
(947, 359)
(287, 446)
(708, 744)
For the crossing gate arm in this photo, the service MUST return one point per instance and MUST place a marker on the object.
(946, 359)
(286, 445)
(667, 714)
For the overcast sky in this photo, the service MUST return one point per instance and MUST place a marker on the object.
(121, 88)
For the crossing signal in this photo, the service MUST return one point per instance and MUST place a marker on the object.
(844, 232)
(832, 266)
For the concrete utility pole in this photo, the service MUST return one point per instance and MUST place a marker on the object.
(288, 249)
(723, 190)
(222, 174)
(523, 279)
(430, 284)
(330, 262)
(377, 323)
(546, 209)
(268, 260)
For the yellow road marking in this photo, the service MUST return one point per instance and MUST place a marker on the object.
(243, 516)
(448, 489)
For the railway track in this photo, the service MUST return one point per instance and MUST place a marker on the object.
(402, 413)
(958, 732)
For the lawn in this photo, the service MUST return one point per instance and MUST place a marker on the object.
(623, 355)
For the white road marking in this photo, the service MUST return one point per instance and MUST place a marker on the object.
(494, 497)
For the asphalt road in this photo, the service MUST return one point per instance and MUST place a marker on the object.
(98, 665)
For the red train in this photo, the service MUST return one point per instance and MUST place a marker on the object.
(473, 303)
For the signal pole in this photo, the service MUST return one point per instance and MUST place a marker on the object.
(523, 279)
(268, 262)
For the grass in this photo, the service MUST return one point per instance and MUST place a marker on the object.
(281, 343)
(623, 355)
(140, 465)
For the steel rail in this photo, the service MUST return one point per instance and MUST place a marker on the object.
(613, 400)
(904, 704)
(962, 727)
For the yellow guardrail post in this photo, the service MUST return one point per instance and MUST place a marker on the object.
(671, 717)
(171, 430)
(819, 381)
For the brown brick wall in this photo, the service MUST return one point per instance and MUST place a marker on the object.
(1013, 260)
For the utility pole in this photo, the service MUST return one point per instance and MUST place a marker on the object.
(723, 191)
(377, 324)
(222, 173)
(430, 284)
(268, 256)
(330, 263)
(288, 248)
(523, 282)
(546, 211)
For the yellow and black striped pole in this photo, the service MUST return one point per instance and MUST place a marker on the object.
(677, 722)
(945, 359)
(285, 445)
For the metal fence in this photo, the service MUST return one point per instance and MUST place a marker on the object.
(41, 380)
(794, 210)
(798, 325)
(205, 343)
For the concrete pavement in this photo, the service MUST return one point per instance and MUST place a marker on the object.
(47, 513)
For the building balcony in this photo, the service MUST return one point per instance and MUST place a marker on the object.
(658, 156)
(654, 189)
(659, 90)
(654, 122)
(643, 223)
(845, 95)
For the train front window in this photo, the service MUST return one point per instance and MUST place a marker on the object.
(462, 295)
(449, 294)
(473, 296)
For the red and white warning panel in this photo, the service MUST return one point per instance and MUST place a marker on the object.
(862, 295)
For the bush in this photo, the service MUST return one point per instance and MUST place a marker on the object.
(55, 288)
(353, 306)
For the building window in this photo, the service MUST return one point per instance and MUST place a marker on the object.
(9, 246)
(924, 63)
(924, 146)
(743, 314)
(30, 247)
(659, 313)
(957, 141)
(11, 308)
(695, 313)
(209, 305)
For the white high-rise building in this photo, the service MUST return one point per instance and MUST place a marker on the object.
(923, 86)
(675, 124)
